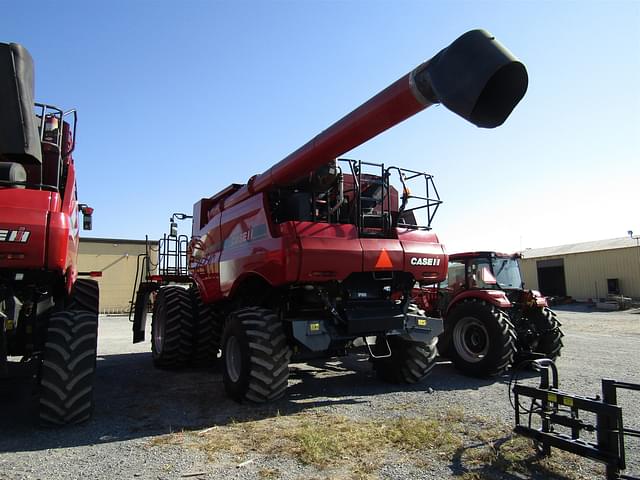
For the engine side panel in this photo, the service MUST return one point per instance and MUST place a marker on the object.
(496, 298)
(425, 257)
(328, 252)
(23, 225)
(242, 241)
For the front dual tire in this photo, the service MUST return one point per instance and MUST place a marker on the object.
(255, 356)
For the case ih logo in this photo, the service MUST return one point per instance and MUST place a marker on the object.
(20, 235)
(431, 261)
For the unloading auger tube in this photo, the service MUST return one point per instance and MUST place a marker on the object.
(475, 77)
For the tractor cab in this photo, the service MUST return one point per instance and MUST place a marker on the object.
(495, 274)
(483, 270)
(491, 275)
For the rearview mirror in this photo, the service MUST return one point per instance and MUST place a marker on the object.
(87, 215)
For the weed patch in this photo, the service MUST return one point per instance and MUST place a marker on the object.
(476, 448)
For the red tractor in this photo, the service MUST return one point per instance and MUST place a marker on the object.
(490, 320)
(48, 317)
(318, 255)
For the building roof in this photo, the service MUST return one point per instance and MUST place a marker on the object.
(610, 244)
(116, 240)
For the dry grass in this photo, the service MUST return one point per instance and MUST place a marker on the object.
(475, 448)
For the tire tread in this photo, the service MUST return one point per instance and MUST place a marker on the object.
(267, 365)
(68, 367)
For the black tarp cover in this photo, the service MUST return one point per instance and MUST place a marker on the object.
(19, 138)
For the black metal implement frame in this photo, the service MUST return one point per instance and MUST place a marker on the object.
(557, 408)
(376, 175)
(170, 267)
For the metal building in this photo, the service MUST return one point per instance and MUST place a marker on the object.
(589, 270)
(118, 260)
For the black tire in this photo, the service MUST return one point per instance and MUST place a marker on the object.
(410, 362)
(255, 354)
(483, 339)
(84, 296)
(172, 328)
(549, 334)
(68, 367)
(207, 332)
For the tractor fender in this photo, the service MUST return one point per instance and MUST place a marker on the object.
(497, 298)
(140, 309)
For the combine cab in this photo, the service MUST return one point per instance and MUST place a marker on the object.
(319, 254)
(48, 317)
(491, 321)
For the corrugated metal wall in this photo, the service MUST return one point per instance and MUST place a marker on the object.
(586, 273)
(116, 259)
(529, 273)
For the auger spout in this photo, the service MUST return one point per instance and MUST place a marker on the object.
(476, 77)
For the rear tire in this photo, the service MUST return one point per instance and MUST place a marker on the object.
(172, 328)
(207, 333)
(85, 296)
(68, 367)
(410, 362)
(483, 340)
(255, 354)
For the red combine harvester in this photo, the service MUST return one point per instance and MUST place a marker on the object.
(490, 320)
(48, 317)
(319, 254)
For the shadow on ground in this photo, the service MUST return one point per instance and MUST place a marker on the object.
(135, 400)
(495, 469)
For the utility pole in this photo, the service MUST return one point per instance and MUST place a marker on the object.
(637, 239)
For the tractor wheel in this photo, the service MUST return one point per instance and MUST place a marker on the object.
(84, 296)
(410, 362)
(208, 329)
(255, 355)
(68, 366)
(172, 328)
(483, 340)
(549, 334)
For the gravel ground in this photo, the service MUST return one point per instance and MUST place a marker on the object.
(136, 405)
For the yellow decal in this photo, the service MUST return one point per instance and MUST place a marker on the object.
(422, 322)
(552, 397)
(568, 401)
(8, 324)
(314, 327)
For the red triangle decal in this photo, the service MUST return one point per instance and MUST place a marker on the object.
(383, 260)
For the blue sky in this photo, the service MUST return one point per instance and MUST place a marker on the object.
(178, 99)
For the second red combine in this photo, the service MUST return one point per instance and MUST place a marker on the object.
(319, 254)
